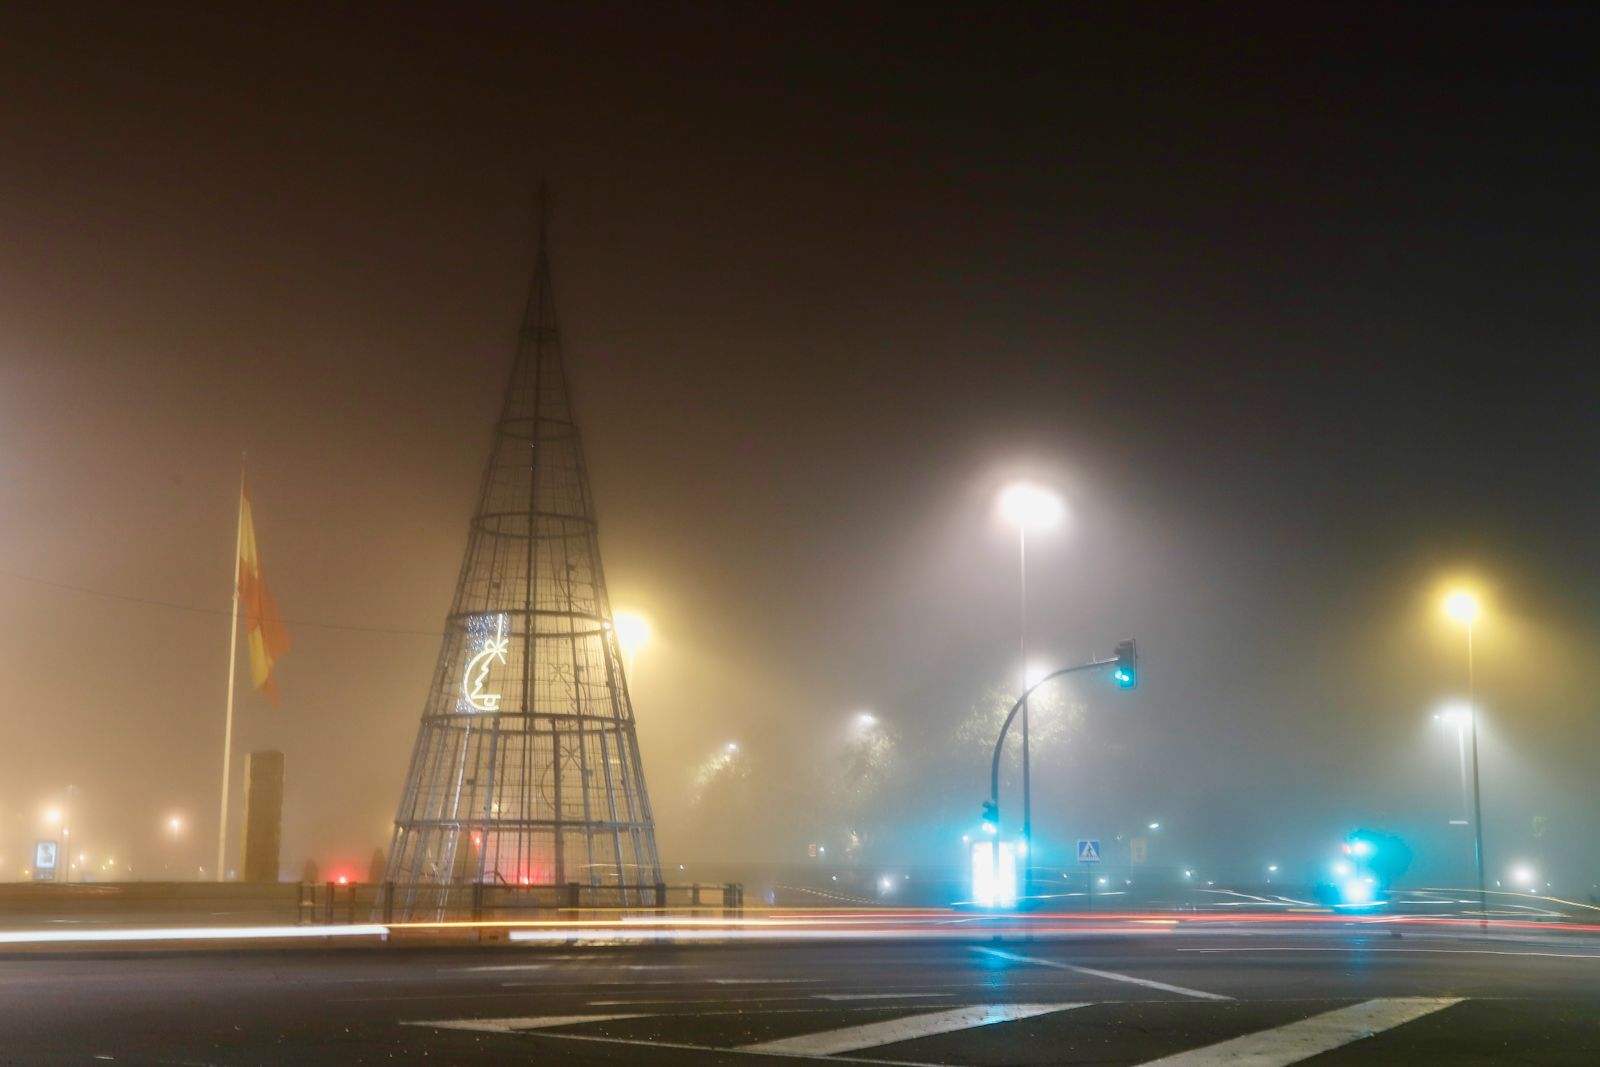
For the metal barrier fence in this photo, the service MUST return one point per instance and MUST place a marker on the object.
(332, 902)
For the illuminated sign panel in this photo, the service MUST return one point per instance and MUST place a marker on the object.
(488, 638)
(44, 861)
(994, 884)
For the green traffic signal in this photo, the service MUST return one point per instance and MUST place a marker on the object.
(1125, 671)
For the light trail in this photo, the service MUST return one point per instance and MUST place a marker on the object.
(190, 933)
(810, 925)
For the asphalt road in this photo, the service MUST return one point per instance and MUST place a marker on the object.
(1281, 997)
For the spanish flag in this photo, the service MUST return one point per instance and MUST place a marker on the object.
(264, 626)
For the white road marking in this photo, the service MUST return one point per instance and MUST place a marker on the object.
(515, 1024)
(765, 981)
(637, 1002)
(1301, 1040)
(764, 999)
(1436, 951)
(495, 968)
(718, 1049)
(870, 1035)
(876, 996)
(555, 979)
(1112, 975)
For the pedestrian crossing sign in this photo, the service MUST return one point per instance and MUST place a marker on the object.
(1088, 850)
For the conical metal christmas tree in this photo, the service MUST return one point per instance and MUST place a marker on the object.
(526, 770)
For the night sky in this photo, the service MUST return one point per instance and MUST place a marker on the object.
(1297, 310)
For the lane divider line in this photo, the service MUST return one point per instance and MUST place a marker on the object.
(514, 1024)
(1374, 948)
(1148, 983)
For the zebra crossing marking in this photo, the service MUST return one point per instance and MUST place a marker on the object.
(1300, 1040)
(1277, 1046)
(905, 1028)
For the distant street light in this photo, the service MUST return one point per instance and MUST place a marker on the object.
(1025, 506)
(633, 633)
(175, 825)
(1155, 826)
(1462, 606)
(61, 815)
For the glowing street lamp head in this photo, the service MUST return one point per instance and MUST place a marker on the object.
(53, 816)
(1029, 505)
(633, 632)
(175, 824)
(1461, 606)
(1454, 715)
(866, 720)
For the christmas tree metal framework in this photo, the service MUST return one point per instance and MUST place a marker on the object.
(526, 769)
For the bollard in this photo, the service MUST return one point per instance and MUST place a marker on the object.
(572, 895)
(661, 895)
(477, 901)
(694, 895)
(328, 907)
(388, 902)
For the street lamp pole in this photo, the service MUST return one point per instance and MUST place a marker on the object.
(1463, 607)
(1477, 797)
(1026, 505)
(1027, 785)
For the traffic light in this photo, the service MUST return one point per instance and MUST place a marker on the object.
(1125, 671)
(991, 817)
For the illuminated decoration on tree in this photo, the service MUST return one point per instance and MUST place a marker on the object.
(526, 768)
(492, 641)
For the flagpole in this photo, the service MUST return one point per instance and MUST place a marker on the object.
(233, 652)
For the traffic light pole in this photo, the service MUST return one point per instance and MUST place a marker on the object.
(1125, 678)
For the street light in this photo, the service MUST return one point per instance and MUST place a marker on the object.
(1024, 506)
(1462, 606)
(633, 633)
(62, 816)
